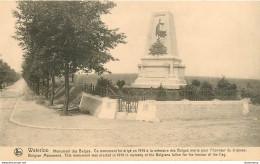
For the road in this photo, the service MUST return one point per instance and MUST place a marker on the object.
(237, 132)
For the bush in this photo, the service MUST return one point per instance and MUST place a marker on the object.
(255, 99)
(188, 92)
(195, 83)
(223, 84)
(101, 86)
(206, 91)
(120, 84)
(103, 83)
(206, 86)
(160, 93)
(226, 90)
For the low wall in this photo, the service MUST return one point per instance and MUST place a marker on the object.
(101, 107)
(151, 110)
(169, 110)
(146, 110)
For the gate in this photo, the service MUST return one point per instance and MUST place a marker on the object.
(128, 104)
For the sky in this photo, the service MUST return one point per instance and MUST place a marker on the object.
(214, 38)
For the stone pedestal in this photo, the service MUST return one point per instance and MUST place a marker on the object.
(155, 71)
(161, 64)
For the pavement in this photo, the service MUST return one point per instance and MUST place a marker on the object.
(25, 122)
(27, 112)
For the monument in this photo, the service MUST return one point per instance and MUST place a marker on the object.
(161, 64)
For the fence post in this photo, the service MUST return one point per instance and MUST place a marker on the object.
(107, 91)
(151, 93)
(119, 104)
(85, 86)
(215, 93)
(242, 93)
(165, 99)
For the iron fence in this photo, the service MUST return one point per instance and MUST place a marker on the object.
(101, 91)
(181, 94)
(127, 104)
(141, 94)
(128, 97)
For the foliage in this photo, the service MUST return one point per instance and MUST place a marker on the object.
(7, 75)
(62, 37)
(195, 83)
(120, 83)
(223, 84)
(206, 86)
(188, 92)
(160, 93)
(255, 99)
(103, 83)
(157, 48)
(226, 89)
(104, 87)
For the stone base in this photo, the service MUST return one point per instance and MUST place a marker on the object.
(160, 70)
(155, 83)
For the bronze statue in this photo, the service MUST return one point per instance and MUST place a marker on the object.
(159, 33)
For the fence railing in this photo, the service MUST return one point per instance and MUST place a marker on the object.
(128, 97)
(164, 94)
(101, 91)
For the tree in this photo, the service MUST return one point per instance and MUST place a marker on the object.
(7, 75)
(70, 34)
(35, 29)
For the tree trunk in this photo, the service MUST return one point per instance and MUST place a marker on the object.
(66, 76)
(38, 87)
(47, 86)
(72, 77)
(43, 87)
(52, 87)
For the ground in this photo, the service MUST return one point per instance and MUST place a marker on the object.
(24, 122)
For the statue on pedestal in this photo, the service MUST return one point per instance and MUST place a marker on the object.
(161, 64)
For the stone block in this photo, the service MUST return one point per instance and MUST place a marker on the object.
(146, 110)
(121, 115)
(100, 107)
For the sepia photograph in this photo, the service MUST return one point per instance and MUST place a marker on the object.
(136, 75)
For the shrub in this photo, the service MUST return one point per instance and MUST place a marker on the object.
(225, 89)
(103, 83)
(101, 86)
(195, 83)
(120, 83)
(255, 99)
(188, 92)
(223, 84)
(206, 91)
(160, 93)
(206, 86)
